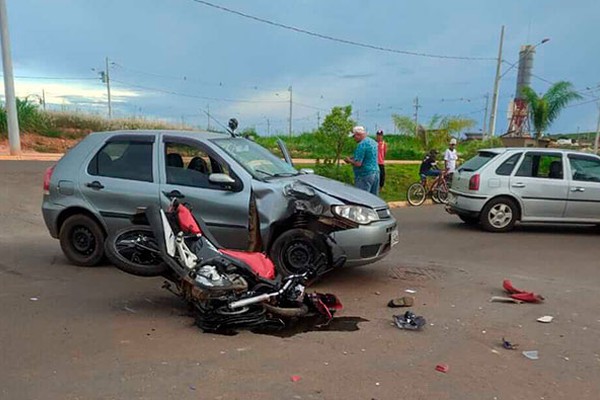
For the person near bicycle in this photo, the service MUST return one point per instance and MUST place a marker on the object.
(429, 166)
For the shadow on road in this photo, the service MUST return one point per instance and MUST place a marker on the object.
(532, 228)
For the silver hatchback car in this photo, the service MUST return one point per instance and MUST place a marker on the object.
(501, 186)
(248, 197)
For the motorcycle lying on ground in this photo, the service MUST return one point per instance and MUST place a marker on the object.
(226, 289)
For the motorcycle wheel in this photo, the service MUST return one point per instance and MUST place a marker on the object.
(134, 250)
(287, 312)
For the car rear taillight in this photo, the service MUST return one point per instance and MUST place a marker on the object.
(47, 177)
(474, 182)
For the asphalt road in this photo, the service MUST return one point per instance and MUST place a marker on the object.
(68, 332)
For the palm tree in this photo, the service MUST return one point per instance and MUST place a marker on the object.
(437, 131)
(543, 110)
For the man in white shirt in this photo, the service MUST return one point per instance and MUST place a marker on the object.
(450, 157)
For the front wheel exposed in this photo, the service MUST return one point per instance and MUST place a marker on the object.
(499, 215)
(134, 250)
(296, 250)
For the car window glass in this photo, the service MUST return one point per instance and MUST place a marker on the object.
(585, 169)
(507, 167)
(191, 166)
(123, 160)
(481, 159)
(539, 165)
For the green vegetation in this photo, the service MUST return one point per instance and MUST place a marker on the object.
(70, 125)
(436, 133)
(543, 110)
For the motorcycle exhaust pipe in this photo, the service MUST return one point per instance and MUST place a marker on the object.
(252, 300)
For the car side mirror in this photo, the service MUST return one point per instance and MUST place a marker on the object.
(307, 171)
(221, 179)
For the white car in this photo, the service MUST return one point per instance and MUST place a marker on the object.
(501, 186)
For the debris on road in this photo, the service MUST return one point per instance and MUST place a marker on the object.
(442, 368)
(545, 319)
(502, 299)
(411, 291)
(295, 378)
(508, 345)
(404, 301)
(33, 299)
(409, 321)
(131, 310)
(522, 295)
(531, 354)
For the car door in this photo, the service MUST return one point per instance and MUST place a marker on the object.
(541, 186)
(584, 188)
(120, 177)
(185, 168)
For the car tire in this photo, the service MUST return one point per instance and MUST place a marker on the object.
(155, 265)
(499, 215)
(82, 240)
(296, 250)
(468, 219)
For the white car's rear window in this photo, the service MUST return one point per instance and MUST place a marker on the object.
(475, 163)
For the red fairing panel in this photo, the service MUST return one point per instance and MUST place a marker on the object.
(186, 220)
(259, 263)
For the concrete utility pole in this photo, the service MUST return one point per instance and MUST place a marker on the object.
(208, 117)
(597, 131)
(12, 118)
(44, 99)
(417, 106)
(318, 119)
(107, 75)
(487, 101)
(290, 125)
(268, 127)
(492, 129)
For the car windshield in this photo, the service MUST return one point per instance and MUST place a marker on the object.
(482, 158)
(257, 160)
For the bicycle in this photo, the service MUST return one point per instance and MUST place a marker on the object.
(418, 191)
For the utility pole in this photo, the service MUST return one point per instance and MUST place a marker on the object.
(44, 99)
(417, 106)
(208, 117)
(105, 78)
(496, 87)
(483, 130)
(597, 131)
(318, 119)
(268, 127)
(290, 125)
(14, 139)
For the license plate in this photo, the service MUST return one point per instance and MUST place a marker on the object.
(394, 237)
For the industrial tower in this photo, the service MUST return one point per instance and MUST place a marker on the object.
(518, 109)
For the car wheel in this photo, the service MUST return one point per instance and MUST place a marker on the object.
(499, 215)
(296, 250)
(469, 220)
(82, 240)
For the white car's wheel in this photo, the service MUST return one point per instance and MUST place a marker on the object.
(499, 215)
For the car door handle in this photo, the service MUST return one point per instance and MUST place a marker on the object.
(95, 185)
(518, 185)
(174, 194)
(578, 189)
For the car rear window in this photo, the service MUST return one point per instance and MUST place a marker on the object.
(475, 163)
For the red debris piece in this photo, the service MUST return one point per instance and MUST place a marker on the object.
(295, 378)
(518, 294)
(442, 368)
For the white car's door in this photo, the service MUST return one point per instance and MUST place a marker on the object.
(541, 186)
(584, 188)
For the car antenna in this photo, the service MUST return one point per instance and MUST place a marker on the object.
(233, 124)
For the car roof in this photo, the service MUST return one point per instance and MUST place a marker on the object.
(501, 150)
(197, 134)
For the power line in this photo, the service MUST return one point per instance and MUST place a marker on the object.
(52, 78)
(339, 40)
(196, 96)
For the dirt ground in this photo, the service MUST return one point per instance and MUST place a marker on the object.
(96, 333)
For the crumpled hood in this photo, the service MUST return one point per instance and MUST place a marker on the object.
(341, 191)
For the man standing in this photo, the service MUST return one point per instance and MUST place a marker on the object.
(364, 161)
(381, 150)
(450, 157)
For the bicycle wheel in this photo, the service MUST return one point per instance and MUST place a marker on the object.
(441, 192)
(416, 194)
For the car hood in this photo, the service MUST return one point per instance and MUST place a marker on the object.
(341, 191)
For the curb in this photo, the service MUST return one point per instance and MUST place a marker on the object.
(401, 204)
(32, 157)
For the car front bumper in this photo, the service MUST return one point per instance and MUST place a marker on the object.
(367, 243)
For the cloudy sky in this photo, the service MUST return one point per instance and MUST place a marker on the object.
(175, 59)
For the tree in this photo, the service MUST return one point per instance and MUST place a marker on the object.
(334, 130)
(436, 132)
(543, 110)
